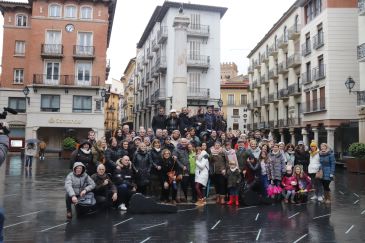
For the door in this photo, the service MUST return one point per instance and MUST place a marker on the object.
(53, 42)
(52, 72)
(85, 43)
(83, 73)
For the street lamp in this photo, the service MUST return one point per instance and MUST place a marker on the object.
(350, 83)
(220, 103)
(26, 93)
(105, 94)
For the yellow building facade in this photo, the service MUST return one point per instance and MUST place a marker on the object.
(128, 84)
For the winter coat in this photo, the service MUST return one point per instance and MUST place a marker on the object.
(199, 119)
(231, 155)
(172, 123)
(112, 154)
(98, 155)
(290, 158)
(277, 165)
(221, 124)
(155, 160)
(184, 123)
(328, 164)
(196, 141)
(30, 151)
(158, 122)
(202, 168)
(86, 157)
(75, 184)
(169, 165)
(287, 181)
(182, 155)
(304, 182)
(233, 177)
(253, 172)
(314, 164)
(100, 188)
(302, 158)
(142, 164)
(169, 146)
(211, 141)
(124, 175)
(210, 121)
(218, 161)
(242, 155)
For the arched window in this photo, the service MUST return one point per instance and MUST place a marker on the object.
(21, 20)
(70, 11)
(54, 10)
(86, 12)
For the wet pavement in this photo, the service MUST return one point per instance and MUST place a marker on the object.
(35, 212)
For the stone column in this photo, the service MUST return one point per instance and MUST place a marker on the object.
(282, 135)
(305, 136)
(292, 136)
(315, 131)
(179, 83)
(362, 125)
(331, 137)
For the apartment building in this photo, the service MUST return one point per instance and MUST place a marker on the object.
(297, 73)
(128, 102)
(54, 67)
(234, 93)
(361, 80)
(178, 60)
(113, 105)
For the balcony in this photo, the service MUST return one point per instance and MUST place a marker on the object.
(273, 124)
(361, 98)
(254, 84)
(283, 68)
(273, 73)
(158, 95)
(198, 30)
(361, 6)
(84, 52)
(318, 41)
(306, 48)
(52, 51)
(198, 61)
(262, 125)
(295, 122)
(361, 52)
(273, 97)
(155, 46)
(264, 101)
(295, 90)
(316, 105)
(257, 64)
(283, 42)
(307, 77)
(65, 80)
(319, 72)
(162, 35)
(154, 71)
(107, 68)
(249, 106)
(264, 79)
(283, 94)
(283, 123)
(273, 50)
(250, 70)
(256, 104)
(265, 57)
(249, 127)
(198, 94)
(161, 64)
(254, 126)
(149, 54)
(294, 60)
(294, 32)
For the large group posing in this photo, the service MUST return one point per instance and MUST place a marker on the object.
(189, 156)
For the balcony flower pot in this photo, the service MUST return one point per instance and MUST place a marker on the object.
(69, 144)
(356, 164)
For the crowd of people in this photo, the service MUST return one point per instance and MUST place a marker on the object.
(182, 157)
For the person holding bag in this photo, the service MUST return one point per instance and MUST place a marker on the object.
(77, 185)
(328, 164)
(314, 171)
(171, 174)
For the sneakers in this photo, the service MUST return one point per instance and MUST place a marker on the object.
(69, 215)
(314, 197)
(122, 207)
(320, 199)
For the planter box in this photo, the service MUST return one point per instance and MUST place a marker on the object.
(355, 165)
(66, 154)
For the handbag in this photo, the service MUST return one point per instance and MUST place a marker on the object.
(319, 174)
(171, 174)
(87, 200)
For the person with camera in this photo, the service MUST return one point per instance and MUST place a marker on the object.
(4, 146)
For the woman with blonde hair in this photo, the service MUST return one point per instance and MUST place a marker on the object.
(313, 168)
(328, 164)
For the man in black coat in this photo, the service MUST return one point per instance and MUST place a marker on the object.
(159, 120)
(184, 121)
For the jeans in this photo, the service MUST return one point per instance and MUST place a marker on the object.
(166, 192)
(124, 194)
(326, 185)
(233, 191)
(192, 186)
(2, 218)
(68, 202)
(290, 193)
(28, 161)
(220, 184)
(265, 183)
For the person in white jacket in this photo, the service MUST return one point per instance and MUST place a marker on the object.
(201, 174)
(313, 168)
(30, 152)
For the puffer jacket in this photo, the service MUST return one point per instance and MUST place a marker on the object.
(287, 181)
(277, 165)
(142, 165)
(124, 175)
(328, 164)
(75, 184)
(314, 164)
(233, 177)
(202, 168)
(184, 123)
(155, 160)
(112, 154)
(172, 123)
(182, 155)
(86, 157)
(302, 158)
(242, 155)
(218, 161)
(253, 172)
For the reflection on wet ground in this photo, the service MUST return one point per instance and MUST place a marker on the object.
(35, 212)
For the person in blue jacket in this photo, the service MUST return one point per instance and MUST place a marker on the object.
(328, 163)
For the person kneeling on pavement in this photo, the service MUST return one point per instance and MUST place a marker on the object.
(105, 191)
(77, 184)
(124, 180)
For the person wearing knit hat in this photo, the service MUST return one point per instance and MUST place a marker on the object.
(314, 144)
(313, 168)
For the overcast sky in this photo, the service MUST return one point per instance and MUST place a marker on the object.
(242, 27)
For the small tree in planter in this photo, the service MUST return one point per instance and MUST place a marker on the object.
(68, 145)
(356, 164)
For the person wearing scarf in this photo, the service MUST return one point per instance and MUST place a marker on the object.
(233, 180)
(83, 154)
(328, 165)
(289, 155)
(277, 164)
(156, 161)
(313, 168)
(142, 165)
(254, 149)
(219, 165)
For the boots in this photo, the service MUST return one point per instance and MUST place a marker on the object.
(222, 201)
(237, 202)
(69, 215)
(231, 200)
(327, 197)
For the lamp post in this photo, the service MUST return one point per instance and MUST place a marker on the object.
(350, 83)
(220, 103)
(105, 94)
(26, 93)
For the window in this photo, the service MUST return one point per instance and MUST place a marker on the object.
(86, 12)
(53, 42)
(308, 101)
(98, 105)
(243, 99)
(194, 21)
(231, 99)
(236, 112)
(50, 103)
(81, 103)
(17, 103)
(194, 82)
(194, 50)
(85, 43)
(21, 20)
(70, 11)
(19, 48)
(18, 76)
(83, 70)
(52, 72)
(235, 126)
(54, 11)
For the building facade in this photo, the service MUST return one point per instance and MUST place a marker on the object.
(361, 59)
(128, 102)
(297, 73)
(228, 71)
(178, 60)
(234, 93)
(54, 66)
(113, 106)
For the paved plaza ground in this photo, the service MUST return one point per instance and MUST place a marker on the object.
(35, 212)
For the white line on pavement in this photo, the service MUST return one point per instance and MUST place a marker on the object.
(257, 216)
(300, 238)
(123, 222)
(258, 235)
(189, 209)
(215, 224)
(28, 214)
(153, 226)
(356, 195)
(143, 241)
(247, 207)
(293, 215)
(341, 192)
(53, 227)
(352, 226)
(322, 216)
(8, 226)
(10, 195)
(363, 212)
(356, 201)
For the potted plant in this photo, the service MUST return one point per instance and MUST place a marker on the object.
(68, 145)
(357, 162)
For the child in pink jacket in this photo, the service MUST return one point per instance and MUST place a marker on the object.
(289, 183)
